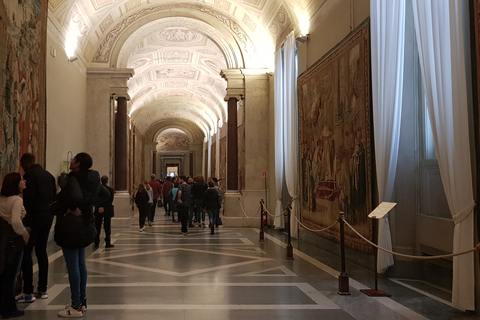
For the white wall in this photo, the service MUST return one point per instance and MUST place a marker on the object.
(66, 112)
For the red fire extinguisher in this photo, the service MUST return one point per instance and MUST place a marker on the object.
(264, 218)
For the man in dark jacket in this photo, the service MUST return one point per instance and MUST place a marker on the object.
(37, 197)
(104, 212)
(198, 195)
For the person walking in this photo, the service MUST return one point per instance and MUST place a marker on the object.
(183, 203)
(103, 213)
(157, 191)
(167, 186)
(75, 227)
(198, 194)
(37, 198)
(13, 237)
(212, 205)
(173, 195)
(141, 200)
(150, 201)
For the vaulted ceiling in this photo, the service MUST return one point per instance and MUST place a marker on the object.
(177, 50)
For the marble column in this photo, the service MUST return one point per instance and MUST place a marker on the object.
(235, 92)
(121, 145)
(232, 145)
(104, 85)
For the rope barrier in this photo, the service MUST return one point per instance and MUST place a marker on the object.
(274, 216)
(313, 230)
(245, 214)
(476, 248)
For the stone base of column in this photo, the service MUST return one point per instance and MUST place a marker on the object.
(123, 210)
(242, 210)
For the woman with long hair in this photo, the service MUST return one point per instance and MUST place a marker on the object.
(13, 237)
(81, 192)
(141, 200)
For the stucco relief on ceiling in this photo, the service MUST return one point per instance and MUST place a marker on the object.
(173, 141)
(280, 22)
(103, 52)
(258, 4)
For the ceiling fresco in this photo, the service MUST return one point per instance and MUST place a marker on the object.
(177, 49)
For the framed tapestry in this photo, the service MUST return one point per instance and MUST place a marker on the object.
(334, 139)
(22, 81)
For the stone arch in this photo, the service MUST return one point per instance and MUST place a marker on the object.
(238, 47)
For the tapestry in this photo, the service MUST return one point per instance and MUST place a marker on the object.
(22, 81)
(334, 139)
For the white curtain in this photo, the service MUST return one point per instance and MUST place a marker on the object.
(279, 221)
(387, 45)
(291, 131)
(441, 42)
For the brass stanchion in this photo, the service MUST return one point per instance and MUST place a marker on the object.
(262, 234)
(343, 286)
(289, 255)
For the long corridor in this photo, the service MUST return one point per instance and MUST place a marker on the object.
(161, 274)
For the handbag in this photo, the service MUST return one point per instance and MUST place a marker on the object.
(58, 208)
(219, 221)
(74, 232)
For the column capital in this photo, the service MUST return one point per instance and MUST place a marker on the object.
(110, 73)
(235, 83)
(261, 74)
(119, 92)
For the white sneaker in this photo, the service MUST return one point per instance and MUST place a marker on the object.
(41, 295)
(25, 298)
(69, 312)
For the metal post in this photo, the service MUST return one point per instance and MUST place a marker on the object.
(289, 255)
(262, 235)
(375, 292)
(343, 287)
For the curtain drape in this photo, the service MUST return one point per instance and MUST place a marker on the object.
(439, 32)
(387, 45)
(291, 130)
(279, 221)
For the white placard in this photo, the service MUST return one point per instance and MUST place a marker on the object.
(382, 209)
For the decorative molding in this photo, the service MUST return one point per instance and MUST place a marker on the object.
(105, 48)
(280, 22)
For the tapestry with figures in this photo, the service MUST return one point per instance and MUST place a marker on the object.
(22, 81)
(334, 139)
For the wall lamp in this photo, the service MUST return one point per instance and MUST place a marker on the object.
(73, 59)
(302, 39)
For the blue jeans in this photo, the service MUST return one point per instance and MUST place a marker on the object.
(77, 275)
(212, 216)
(13, 262)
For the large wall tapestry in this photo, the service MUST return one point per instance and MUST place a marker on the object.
(334, 137)
(22, 81)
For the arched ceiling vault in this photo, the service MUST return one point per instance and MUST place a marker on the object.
(177, 50)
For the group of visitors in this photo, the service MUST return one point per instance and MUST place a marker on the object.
(28, 204)
(190, 198)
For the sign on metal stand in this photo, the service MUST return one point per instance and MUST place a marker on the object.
(380, 211)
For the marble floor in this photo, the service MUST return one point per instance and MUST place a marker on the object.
(160, 274)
